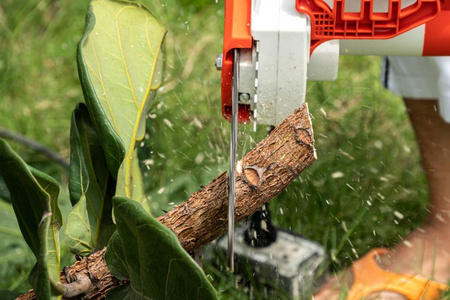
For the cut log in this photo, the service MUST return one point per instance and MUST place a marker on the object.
(260, 176)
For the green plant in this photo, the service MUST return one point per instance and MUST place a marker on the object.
(120, 69)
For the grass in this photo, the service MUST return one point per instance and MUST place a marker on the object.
(368, 173)
(366, 189)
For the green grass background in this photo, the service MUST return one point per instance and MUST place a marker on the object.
(362, 132)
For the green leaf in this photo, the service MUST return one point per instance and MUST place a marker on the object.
(39, 276)
(120, 70)
(89, 223)
(8, 225)
(150, 255)
(34, 198)
(15, 254)
(87, 157)
(78, 172)
(134, 179)
(78, 234)
(4, 193)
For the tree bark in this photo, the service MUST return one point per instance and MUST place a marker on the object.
(260, 176)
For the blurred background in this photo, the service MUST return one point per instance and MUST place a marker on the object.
(365, 190)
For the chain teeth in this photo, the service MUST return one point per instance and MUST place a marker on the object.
(255, 97)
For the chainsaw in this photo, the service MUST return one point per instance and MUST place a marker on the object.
(271, 48)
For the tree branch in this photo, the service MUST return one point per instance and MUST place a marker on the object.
(261, 175)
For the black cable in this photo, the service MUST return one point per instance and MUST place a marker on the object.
(50, 154)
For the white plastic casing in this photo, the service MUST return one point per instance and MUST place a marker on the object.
(324, 62)
(281, 60)
(409, 43)
(273, 74)
(283, 37)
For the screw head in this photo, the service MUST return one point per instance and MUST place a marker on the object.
(218, 62)
(244, 97)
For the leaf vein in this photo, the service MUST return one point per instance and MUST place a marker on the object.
(136, 126)
(123, 55)
(104, 89)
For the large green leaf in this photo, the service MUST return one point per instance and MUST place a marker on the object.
(8, 226)
(150, 255)
(34, 196)
(89, 224)
(120, 70)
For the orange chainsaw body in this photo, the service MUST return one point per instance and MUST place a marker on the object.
(331, 24)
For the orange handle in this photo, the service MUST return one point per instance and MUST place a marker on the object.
(327, 24)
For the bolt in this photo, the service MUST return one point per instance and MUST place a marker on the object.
(218, 63)
(244, 97)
